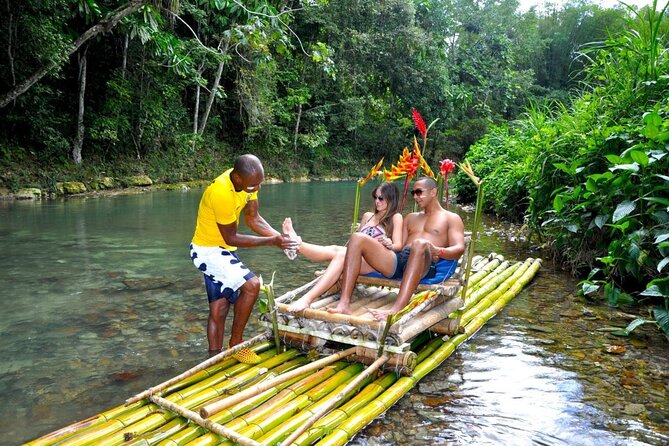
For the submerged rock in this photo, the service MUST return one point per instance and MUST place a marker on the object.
(634, 409)
(147, 284)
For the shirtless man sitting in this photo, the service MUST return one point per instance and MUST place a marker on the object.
(429, 235)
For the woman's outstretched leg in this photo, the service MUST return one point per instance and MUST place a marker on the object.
(326, 281)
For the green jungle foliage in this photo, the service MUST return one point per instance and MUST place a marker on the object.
(570, 135)
(176, 89)
(592, 178)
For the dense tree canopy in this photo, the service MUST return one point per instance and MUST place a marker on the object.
(313, 87)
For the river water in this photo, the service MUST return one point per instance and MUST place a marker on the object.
(100, 301)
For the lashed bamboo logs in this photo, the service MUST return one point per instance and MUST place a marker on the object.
(210, 409)
(345, 431)
(426, 320)
(203, 365)
(340, 396)
(208, 424)
(273, 414)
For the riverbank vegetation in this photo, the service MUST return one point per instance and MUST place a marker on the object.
(172, 89)
(565, 109)
(591, 178)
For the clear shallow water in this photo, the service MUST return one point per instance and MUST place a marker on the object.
(100, 301)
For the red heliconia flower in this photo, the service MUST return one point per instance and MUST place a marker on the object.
(446, 166)
(418, 120)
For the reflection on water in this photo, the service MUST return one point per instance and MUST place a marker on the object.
(100, 301)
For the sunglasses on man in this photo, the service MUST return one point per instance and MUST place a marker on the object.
(418, 192)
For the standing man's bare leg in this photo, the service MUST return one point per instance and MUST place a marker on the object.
(243, 307)
(218, 311)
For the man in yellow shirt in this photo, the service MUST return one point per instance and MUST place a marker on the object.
(214, 245)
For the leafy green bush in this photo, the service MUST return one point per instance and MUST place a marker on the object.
(593, 178)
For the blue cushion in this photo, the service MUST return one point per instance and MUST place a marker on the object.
(445, 269)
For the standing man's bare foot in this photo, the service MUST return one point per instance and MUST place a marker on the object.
(299, 305)
(381, 315)
(340, 309)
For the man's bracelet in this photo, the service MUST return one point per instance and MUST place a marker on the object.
(441, 253)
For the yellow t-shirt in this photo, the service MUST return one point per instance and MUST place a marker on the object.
(220, 204)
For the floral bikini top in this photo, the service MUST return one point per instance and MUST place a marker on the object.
(373, 231)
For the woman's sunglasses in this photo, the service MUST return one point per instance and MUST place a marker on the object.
(378, 197)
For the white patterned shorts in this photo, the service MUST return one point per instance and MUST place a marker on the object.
(224, 274)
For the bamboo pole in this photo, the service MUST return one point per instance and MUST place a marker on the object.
(284, 403)
(368, 356)
(292, 294)
(474, 237)
(175, 425)
(271, 308)
(207, 424)
(350, 387)
(287, 389)
(159, 418)
(356, 208)
(89, 423)
(495, 293)
(384, 335)
(210, 409)
(339, 415)
(499, 281)
(339, 318)
(203, 365)
(426, 320)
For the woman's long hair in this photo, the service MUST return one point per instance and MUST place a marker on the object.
(391, 194)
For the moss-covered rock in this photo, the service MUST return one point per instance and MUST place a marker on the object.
(107, 183)
(29, 193)
(102, 183)
(137, 180)
(74, 187)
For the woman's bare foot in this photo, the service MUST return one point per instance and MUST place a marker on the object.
(288, 229)
(340, 309)
(381, 315)
(299, 305)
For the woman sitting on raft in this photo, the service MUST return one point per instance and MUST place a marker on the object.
(383, 224)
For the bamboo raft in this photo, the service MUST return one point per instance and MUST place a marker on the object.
(322, 378)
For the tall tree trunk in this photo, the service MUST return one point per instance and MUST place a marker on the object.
(126, 40)
(141, 121)
(297, 128)
(10, 35)
(104, 26)
(196, 111)
(212, 93)
(79, 139)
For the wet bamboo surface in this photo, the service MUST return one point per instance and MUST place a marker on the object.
(334, 401)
